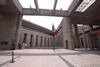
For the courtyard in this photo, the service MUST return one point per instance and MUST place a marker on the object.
(50, 58)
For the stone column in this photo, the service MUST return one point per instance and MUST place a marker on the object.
(84, 37)
(17, 31)
(76, 35)
(91, 45)
(68, 33)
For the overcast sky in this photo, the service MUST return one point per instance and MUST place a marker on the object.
(46, 21)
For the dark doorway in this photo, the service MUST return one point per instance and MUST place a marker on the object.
(94, 41)
(41, 42)
(31, 40)
(37, 41)
(66, 42)
(82, 44)
(25, 38)
(48, 42)
(45, 42)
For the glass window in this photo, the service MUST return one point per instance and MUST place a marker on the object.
(25, 38)
(45, 42)
(31, 40)
(36, 40)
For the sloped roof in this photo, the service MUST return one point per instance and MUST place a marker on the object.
(36, 27)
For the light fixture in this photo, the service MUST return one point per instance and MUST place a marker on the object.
(79, 24)
(85, 5)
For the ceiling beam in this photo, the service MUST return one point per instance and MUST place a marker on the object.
(17, 4)
(55, 4)
(73, 6)
(44, 12)
(36, 4)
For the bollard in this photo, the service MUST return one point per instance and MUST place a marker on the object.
(12, 60)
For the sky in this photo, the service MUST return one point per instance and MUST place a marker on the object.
(45, 21)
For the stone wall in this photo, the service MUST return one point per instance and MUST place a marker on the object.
(35, 33)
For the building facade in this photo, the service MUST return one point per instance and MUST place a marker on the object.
(64, 36)
(89, 36)
(34, 36)
(86, 36)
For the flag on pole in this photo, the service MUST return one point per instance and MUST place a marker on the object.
(53, 29)
(55, 32)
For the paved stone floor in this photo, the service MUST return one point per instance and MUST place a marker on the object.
(50, 58)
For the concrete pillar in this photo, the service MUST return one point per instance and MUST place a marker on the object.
(91, 45)
(68, 33)
(84, 37)
(9, 30)
(39, 40)
(76, 35)
(35, 41)
(17, 32)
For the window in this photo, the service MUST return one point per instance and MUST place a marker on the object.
(25, 38)
(4, 42)
(41, 42)
(51, 42)
(48, 42)
(45, 42)
(31, 40)
(63, 4)
(36, 40)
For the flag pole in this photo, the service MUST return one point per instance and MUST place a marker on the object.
(53, 42)
(53, 30)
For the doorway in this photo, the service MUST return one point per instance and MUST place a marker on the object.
(31, 40)
(66, 42)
